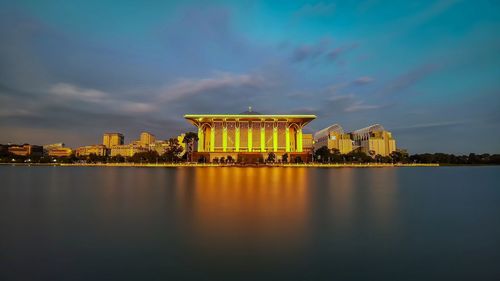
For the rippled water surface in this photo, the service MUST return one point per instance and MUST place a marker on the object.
(90, 223)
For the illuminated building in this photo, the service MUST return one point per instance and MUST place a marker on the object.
(374, 140)
(333, 137)
(112, 139)
(48, 147)
(26, 150)
(126, 150)
(147, 139)
(98, 149)
(250, 136)
(307, 143)
(60, 152)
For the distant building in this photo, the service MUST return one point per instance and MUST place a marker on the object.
(146, 139)
(26, 150)
(112, 139)
(374, 140)
(60, 152)
(126, 150)
(48, 147)
(98, 149)
(333, 137)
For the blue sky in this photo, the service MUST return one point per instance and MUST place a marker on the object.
(427, 70)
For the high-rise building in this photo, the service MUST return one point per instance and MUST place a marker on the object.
(112, 139)
(374, 140)
(146, 139)
(333, 137)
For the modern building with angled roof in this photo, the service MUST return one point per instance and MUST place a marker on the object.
(333, 137)
(374, 140)
(250, 136)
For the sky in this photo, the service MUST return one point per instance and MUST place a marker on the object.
(428, 71)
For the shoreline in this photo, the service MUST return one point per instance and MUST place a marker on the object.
(175, 165)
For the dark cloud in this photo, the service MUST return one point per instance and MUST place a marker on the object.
(408, 79)
(323, 51)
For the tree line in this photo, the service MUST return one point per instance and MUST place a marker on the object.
(326, 155)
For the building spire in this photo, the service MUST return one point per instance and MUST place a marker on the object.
(249, 109)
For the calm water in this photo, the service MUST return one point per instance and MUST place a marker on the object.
(75, 223)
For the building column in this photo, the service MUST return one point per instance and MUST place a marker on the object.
(201, 139)
(237, 136)
(249, 134)
(299, 139)
(262, 136)
(212, 138)
(224, 136)
(275, 136)
(287, 138)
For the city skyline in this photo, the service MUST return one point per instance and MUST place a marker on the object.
(426, 71)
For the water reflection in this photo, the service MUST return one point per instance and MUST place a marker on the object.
(236, 209)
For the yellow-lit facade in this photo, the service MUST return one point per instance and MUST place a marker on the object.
(146, 139)
(112, 139)
(374, 140)
(222, 135)
(99, 150)
(333, 137)
(60, 152)
(126, 150)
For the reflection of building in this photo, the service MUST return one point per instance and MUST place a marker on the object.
(250, 135)
(112, 139)
(98, 149)
(333, 137)
(374, 140)
(26, 150)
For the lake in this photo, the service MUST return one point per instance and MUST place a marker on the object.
(116, 223)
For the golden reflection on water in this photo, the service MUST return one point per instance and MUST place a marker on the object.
(234, 208)
(231, 209)
(252, 205)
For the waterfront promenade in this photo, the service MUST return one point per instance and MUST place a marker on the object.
(275, 165)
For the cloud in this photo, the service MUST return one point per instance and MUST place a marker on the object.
(64, 92)
(310, 51)
(334, 54)
(408, 79)
(426, 126)
(185, 87)
(322, 50)
(315, 10)
(363, 80)
(359, 106)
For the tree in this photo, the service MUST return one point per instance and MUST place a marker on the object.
(173, 151)
(145, 157)
(284, 158)
(271, 157)
(322, 154)
(189, 139)
(399, 157)
(335, 156)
